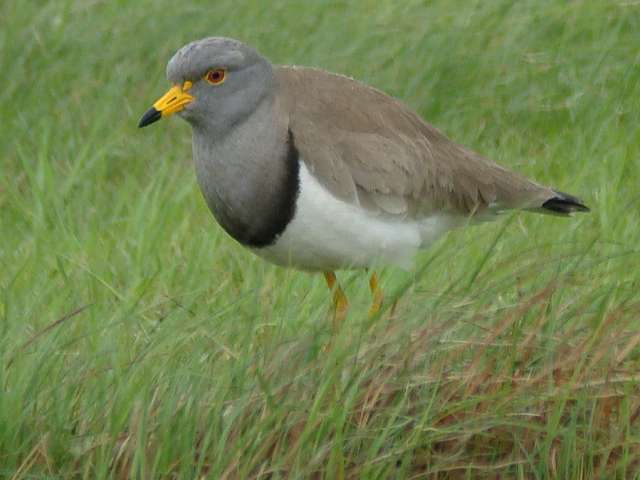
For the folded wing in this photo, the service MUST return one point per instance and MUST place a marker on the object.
(369, 149)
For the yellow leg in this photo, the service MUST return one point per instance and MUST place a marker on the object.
(340, 302)
(377, 294)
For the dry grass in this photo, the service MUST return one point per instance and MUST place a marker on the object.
(428, 403)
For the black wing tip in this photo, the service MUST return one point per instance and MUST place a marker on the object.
(564, 204)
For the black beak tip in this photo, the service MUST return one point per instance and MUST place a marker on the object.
(150, 116)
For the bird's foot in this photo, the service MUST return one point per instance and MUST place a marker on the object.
(340, 308)
(340, 305)
(378, 296)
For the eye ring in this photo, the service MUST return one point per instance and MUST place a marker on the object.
(216, 76)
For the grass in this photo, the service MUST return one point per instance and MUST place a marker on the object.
(138, 341)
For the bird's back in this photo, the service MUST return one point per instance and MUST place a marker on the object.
(370, 149)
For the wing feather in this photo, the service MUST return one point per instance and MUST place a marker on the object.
(369, 149)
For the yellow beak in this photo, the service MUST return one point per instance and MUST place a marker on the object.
(171, 102)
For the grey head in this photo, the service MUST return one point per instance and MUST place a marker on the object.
(245, 165)
(224, 80)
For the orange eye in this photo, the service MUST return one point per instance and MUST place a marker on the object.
(216, 76)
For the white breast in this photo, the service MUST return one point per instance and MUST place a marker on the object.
(329, 234)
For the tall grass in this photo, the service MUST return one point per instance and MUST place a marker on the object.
(138, 341)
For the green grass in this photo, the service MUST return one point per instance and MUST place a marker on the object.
(138, 341)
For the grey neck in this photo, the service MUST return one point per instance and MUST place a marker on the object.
(249, 177)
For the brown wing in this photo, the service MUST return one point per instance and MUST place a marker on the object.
(370, 149)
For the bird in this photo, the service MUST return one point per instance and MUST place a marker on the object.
(320, 172)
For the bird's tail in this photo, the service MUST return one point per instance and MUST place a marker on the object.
(562, 204)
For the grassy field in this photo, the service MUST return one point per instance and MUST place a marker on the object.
(138, 341)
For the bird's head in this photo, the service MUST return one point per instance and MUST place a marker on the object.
(217, 83)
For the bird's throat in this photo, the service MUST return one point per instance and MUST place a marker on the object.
(250, 178)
